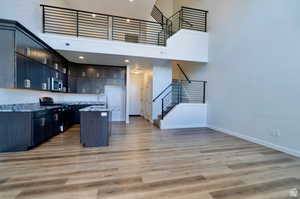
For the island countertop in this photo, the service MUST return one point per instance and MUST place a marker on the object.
(95, 109)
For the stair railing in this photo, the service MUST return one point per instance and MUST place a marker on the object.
(183, 91)
(184, 74)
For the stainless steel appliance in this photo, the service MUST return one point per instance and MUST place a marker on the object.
(58, 116)
(56, 84)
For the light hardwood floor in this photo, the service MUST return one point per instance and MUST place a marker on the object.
(145, 162)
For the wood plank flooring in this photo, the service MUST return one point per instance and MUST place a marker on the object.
(144, 162)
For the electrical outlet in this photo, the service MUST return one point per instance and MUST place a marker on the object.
(275, 133)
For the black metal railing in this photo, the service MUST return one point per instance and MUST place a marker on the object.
(158, 15)
(187, 18)
(88, 24)
(181, 91)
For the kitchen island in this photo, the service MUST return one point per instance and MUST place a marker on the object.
(95, 126)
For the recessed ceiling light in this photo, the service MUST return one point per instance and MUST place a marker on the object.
(126, 61)
(131, 0)
(128, 20)
(94, 15)
(81, 57)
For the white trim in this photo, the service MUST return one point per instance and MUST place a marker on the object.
(258, 141)
(165, 127)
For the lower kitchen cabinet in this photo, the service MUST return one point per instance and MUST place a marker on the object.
(16, 131)
(28, 130)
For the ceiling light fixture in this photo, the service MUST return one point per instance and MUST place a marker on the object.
(81, 57)
(137, 71)
(126, 61)
(131, 1)
(94, 15)
(128, 20)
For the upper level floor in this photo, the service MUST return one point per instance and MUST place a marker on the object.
(182, 36)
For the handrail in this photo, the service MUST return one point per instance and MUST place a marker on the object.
(162, 92)
(186, 77)
(162, 16)
(167, 94)
(195, 9)
(108, 15)
(59, 20)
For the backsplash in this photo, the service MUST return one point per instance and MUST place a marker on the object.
(18, 96)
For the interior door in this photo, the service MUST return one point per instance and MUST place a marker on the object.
(135, 94)
(116, 96)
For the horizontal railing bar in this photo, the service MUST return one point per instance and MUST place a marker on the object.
(184, 7)
(61, 33)
(97, 13)
(59, 24)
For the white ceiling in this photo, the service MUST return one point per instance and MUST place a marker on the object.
(140, 9)
(109, 60)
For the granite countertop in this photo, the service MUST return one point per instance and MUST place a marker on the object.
(82, 103)
(25, 108)
(94, 109)
(33, 107)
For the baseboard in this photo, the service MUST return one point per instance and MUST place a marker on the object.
(165, 127)
(258, 141)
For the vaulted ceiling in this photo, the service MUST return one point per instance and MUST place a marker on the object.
(140, 9)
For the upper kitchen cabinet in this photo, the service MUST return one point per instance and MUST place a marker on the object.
(92, 79)
(7, 58)
(27, 62)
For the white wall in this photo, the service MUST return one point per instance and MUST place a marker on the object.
(162, 77)
(185, 116)
(27, 12)
(185, 45)
(166, 7)
(253, 70)
(18, 96)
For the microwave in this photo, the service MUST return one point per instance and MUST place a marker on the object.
(56, 84)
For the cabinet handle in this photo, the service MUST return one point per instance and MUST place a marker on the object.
(56, 74)
(49, 83)
(27, 83)
(44, 86)
(56, 117)
(43, 121)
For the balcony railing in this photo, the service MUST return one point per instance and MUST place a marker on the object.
(102, 26)
(187, 18)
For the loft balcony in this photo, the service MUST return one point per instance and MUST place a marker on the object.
(108, 34)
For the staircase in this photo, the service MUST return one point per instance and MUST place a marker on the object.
(180, 91)
(185, 18)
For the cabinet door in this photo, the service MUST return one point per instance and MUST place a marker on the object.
(49, 128)
(23, 72)
(39, 131)
(36, 75)
(7, 63)
(57, 122)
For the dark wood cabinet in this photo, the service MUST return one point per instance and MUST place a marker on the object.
(29, 129)
(95, 128)
(92, 79)
(7, 59)
(26, 61)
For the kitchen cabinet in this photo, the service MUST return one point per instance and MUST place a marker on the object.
(95, 127)
(29, 129)
(16, 135)
(91, 79)
(26, 61)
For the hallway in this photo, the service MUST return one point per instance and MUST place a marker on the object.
(145, 162)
